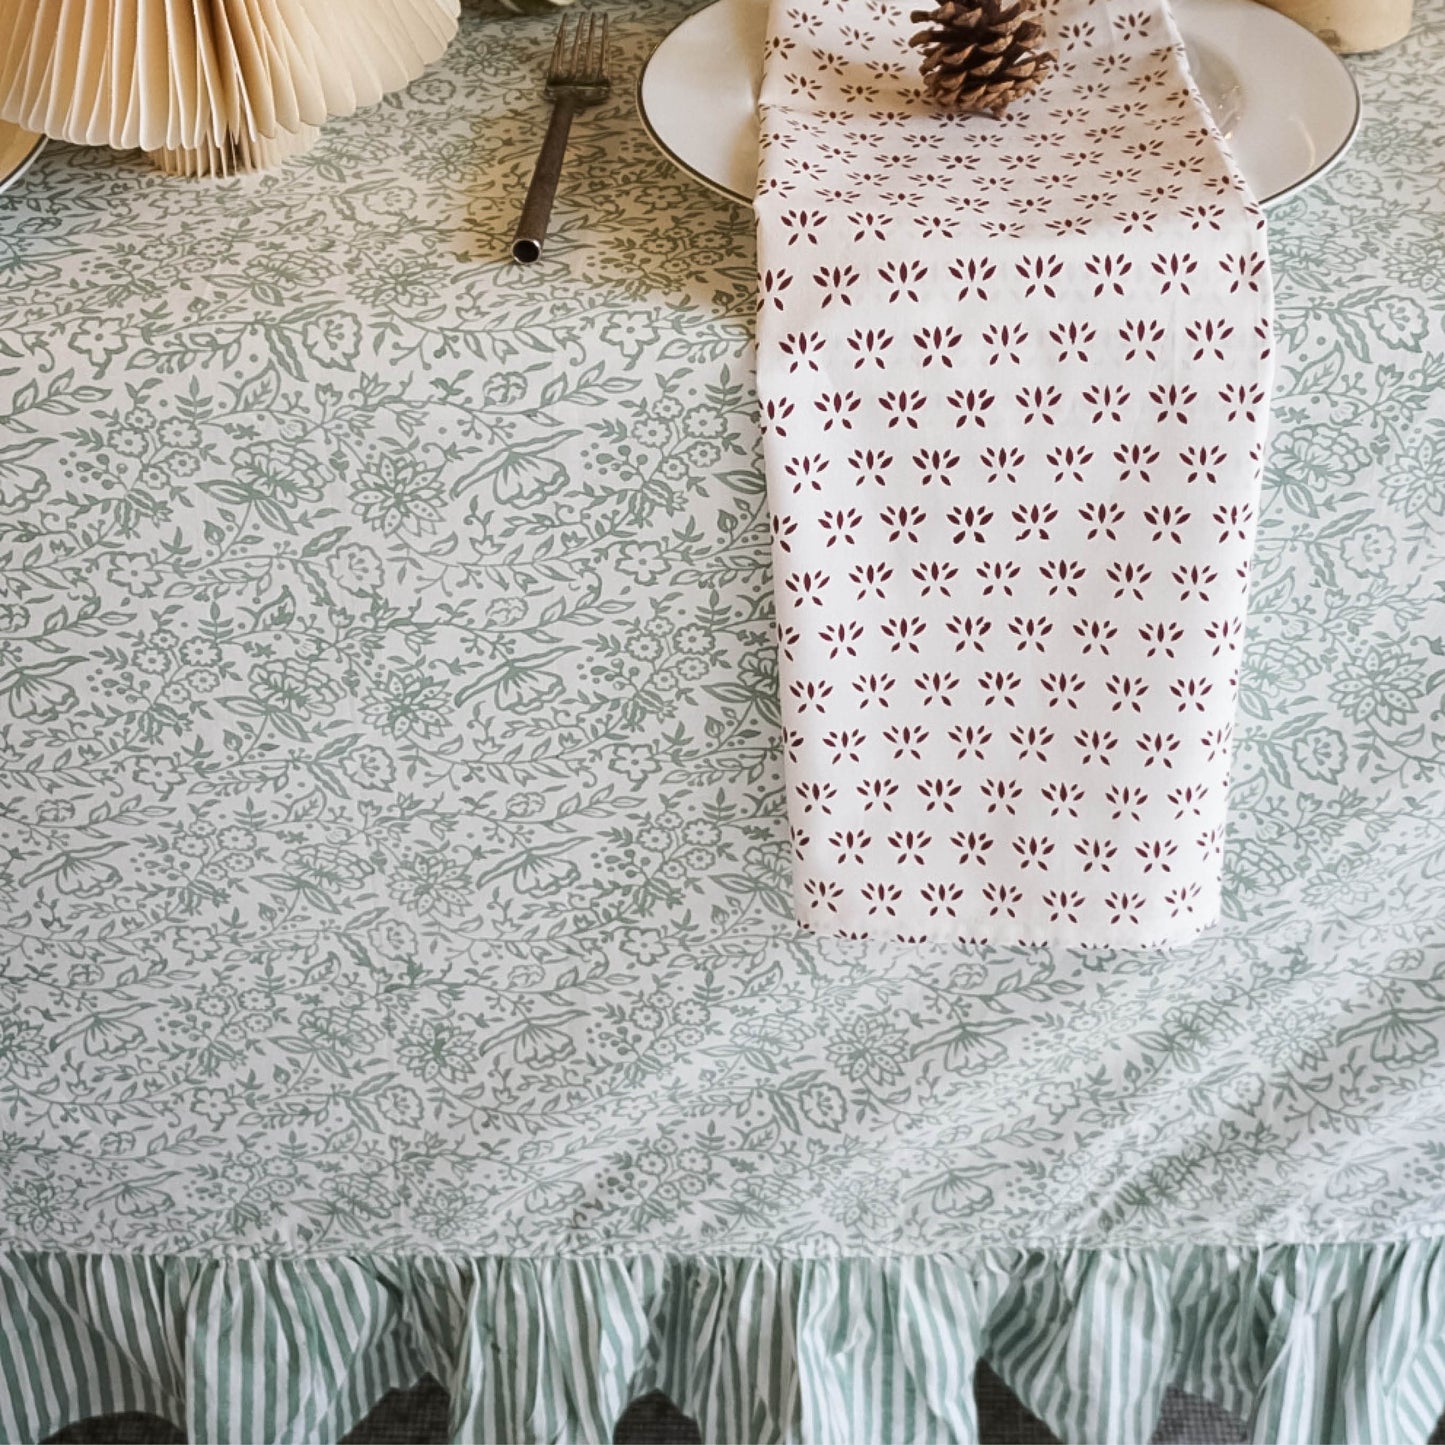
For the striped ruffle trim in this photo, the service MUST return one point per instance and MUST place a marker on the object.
(1307, 1343)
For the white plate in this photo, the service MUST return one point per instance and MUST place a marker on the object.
(18, 148)
(1283, 99)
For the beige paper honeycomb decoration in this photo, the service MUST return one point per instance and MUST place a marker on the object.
(208, 86)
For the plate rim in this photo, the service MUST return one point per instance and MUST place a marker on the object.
(716, 187)
(1328, 162)
(38, 142)
(1274, 198)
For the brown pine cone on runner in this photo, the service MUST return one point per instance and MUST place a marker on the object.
(979, 55)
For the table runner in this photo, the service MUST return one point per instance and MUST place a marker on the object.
(1015, 378)
(428, 1092)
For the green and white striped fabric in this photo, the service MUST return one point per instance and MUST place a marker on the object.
(1314, 1343)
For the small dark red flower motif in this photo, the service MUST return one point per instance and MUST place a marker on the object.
(1002, 463)
(871, 579)
(836, 284)
(870, 345)
(1040, 272)
(998, 574)
(1173, 401)
(816, 795)
(1129, 578)
(1072, 339)
(1107, 401)
(1167, 521)
(807, 587)
(1069, 462)
(937, 343)
(1192, 692)
(903, 633)
(1032, 851)
(1158, 748)
(906, 740)
(903, 522)
(873, 688)
(972, 847)
(822, 892)
(936, 465)
(1002, 898)
(841, 525)
(1062, 687)
(870, 466)
(974, 274)
(1095, 745)
(1161, 637)
(971, 739)
(1032, 742)
(970, 632)
(851, 845)
(1062, 575)
(1039, 403)
(878, 793)
(971, 523)
(1031, 632)
(1062, 798)
(806, 471)
(935, 577)
(844, 744)
(1188, 799)
(1034, 521)
(842, 637)
(1124, 906)
(939, 793)
(1095, 635)
(998, 686)
(1095, 853)
(838, 407)
(882, 896)
(902, 406)
(1065, 904)
(911, 845)
(1109, 272)
(941, 897)
(1126, 692)
(1003, 342)
(971, 405)
(904, 277)
(1125, 801)
(937, 687)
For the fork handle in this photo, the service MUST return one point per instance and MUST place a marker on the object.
(537, 208)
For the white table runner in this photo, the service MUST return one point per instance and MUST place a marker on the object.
(1014, 378)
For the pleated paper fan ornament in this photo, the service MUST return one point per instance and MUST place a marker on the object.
(210, 85)
(235, 154)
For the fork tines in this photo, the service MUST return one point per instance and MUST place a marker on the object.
(584, 61)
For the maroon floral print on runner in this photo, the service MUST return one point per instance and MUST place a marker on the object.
(1014, 378)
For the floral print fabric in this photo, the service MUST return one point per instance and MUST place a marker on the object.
(392, 841)
(1014, 381)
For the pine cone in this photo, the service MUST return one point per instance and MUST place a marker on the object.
(979, 55)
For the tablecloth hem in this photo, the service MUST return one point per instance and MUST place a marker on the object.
(1307, 1342)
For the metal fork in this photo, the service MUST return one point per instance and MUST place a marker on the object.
(576, 78)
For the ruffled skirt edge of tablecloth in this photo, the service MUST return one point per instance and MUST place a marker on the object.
(1313, 1343)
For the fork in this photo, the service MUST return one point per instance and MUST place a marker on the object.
(576, 78)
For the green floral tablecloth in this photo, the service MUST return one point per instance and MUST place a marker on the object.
(392, 855)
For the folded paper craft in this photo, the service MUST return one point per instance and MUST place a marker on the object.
(1014, 378)
(208, 85)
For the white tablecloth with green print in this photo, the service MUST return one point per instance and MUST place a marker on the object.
(397, 968)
